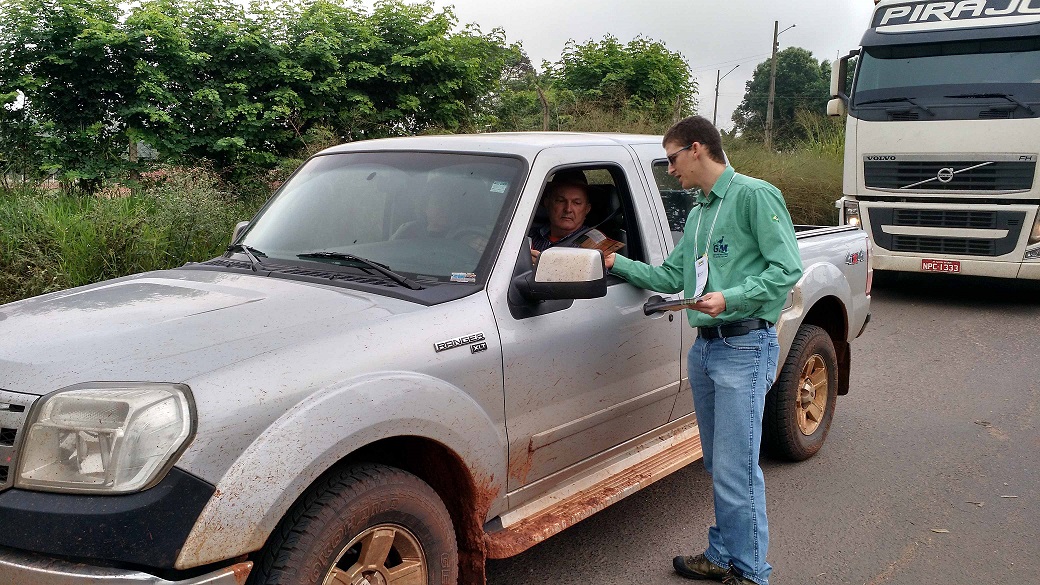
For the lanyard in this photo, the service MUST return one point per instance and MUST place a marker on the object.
(697, 234)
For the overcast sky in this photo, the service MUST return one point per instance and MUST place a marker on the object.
(711, 35)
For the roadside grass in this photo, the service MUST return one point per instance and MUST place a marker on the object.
(809, 180)
(51, 241)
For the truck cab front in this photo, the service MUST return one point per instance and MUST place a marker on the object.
(941, 137)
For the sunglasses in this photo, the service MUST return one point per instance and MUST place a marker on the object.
(671, 157)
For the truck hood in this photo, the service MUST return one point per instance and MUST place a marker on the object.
(169, 326)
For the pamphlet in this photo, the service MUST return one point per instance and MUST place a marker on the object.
(597, 240)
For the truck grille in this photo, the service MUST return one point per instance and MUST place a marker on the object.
(13, 410)
(1011, 221)
(950, 246)
(915, 176)
(946, 218)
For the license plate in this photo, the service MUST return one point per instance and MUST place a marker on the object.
(929, 265)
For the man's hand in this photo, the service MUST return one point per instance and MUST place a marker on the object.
(608, 261)
(534, 257)
(712, 304)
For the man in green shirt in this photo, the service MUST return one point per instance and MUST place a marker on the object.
(742, 242)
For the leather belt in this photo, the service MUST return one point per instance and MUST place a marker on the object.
(734, 329)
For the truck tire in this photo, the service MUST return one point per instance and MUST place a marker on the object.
(363, 525)
(800, 405)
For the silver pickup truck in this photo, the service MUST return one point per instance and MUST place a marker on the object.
(374, 385)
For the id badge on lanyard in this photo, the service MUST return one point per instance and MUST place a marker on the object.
(702, 276)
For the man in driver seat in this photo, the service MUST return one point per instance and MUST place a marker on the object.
(566, 200)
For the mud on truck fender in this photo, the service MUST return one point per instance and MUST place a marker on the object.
(324, 493)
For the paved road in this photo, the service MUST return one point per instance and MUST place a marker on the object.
(931, 472)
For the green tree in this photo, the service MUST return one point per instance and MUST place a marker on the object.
(429, 77)
(598, 85)
(241, 87)
(215, 82)
(522, 99)
(802, 83)
(327, 46)
(69, 61)
(20, 153)
(643, 75)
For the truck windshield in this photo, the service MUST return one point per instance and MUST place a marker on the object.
(930, 72)
(426, 215)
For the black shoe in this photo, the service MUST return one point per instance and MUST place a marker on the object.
(699, 567)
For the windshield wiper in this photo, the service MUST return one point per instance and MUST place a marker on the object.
(891, 100)
(1009, 97)
(380, 268)
(250, 253)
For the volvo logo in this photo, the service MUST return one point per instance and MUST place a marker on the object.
(945, 175)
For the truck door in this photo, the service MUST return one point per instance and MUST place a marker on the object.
(675, 204)
(584, 376)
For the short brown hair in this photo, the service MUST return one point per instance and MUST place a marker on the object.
(697, 129)
(553, 187)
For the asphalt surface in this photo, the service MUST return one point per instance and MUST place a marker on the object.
(930, 474)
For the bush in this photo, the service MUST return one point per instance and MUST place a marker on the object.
(50, 241)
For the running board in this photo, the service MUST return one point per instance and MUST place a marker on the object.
(552, 513)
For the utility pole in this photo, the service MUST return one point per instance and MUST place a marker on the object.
(772, 83)
(717, 80)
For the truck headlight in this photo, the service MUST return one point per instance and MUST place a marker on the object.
(105, 438)
(1034, 236)
(850, 211)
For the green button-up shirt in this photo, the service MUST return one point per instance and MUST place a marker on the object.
(744, 228)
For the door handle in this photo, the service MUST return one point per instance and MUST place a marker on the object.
(659, 304)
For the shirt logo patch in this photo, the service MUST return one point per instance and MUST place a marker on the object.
(776, 219)
(720, 249)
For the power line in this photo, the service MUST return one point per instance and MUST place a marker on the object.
(706, 68)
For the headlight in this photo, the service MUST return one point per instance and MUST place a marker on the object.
(851, 213)
(105, 438)
(1034, 236)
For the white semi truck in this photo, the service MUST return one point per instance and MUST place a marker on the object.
(943, 135)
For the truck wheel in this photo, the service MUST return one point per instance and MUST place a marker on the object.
(364, 525)
(800, 406)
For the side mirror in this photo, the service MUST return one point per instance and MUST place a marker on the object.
(239, 228)
(836, 107)
(564, 273)
(839, 72)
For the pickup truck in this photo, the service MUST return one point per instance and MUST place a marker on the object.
(375, 384)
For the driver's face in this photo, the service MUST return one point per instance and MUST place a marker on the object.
(567, 210)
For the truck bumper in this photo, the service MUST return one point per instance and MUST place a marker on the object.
(991, 268)
(19, 568)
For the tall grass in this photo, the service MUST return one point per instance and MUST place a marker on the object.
(51, 241)
(810, 182)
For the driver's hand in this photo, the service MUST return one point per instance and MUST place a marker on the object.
(534, 256)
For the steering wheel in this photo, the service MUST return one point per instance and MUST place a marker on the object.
(473, 237)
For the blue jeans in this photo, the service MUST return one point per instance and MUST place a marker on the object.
(730, 377)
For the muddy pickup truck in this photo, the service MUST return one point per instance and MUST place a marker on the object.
(374, 385)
